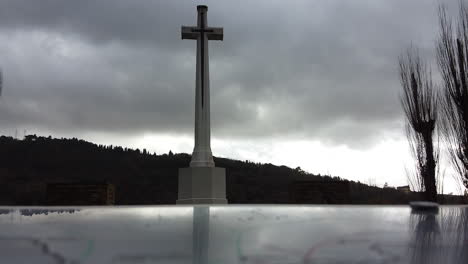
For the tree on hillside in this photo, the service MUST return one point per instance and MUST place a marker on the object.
(452, 58)
(420, 104)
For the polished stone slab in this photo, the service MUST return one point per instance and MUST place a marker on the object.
(233, 234)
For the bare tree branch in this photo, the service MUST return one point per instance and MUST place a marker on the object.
(420, 104)
(452, 58)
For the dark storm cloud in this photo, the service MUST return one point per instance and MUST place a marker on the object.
(316, 69)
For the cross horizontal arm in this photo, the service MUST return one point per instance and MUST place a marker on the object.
(215, 34)
(193, 32)
(188, 33)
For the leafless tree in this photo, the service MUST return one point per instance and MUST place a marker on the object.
(420, 104)
(452, 57)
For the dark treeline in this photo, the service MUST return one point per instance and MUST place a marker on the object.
(140, 177)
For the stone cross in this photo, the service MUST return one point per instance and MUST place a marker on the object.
(202, 156)
(202, 182)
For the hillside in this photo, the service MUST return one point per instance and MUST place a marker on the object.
(26, 166)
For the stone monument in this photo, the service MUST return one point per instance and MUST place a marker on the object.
(202, 182)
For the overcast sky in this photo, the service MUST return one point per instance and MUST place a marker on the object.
(302, 83)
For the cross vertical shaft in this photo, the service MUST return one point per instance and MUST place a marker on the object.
(202, 156)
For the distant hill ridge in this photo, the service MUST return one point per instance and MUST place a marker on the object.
(140, 177)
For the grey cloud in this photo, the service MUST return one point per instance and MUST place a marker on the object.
(320, 70)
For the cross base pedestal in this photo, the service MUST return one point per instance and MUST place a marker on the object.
(202, 185)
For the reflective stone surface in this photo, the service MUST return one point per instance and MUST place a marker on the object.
(233, 234)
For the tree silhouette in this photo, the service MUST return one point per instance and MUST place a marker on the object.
(420, 104)
(452, 58)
